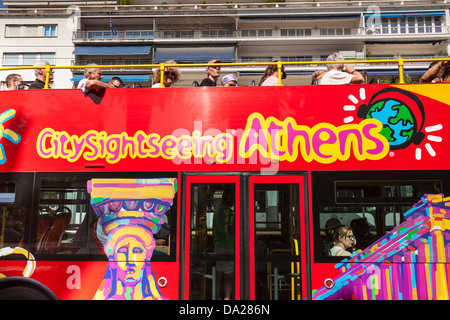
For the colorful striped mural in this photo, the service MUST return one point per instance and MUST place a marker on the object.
(130, 214)
(409, 263)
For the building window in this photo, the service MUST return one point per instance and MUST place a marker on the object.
(373, 201)
(30, 31)
(13, 31)
(11, 59)
(48, 56)
(402, 25)
(50, 31)
(27, 59)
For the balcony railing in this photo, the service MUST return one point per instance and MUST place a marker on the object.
(108, 35)
(303, 33)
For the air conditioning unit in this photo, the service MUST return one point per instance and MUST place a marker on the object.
(370, 30)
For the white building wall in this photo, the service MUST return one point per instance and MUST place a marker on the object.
(61, 45)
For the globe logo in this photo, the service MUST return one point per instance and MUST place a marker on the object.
(399, 123)
(401, 114)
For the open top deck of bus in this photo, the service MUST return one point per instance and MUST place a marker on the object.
(293, 157)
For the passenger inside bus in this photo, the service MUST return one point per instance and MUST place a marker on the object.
(362, 233)
(162, 238)
(344, 242)
(13, 230)
(330, 225)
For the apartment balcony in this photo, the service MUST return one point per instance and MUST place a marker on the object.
(108, 36)
(177, 36)
(148, 60)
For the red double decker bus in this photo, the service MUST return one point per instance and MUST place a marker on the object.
(213, 193)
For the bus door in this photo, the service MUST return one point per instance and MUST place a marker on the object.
(212, 244)
(243, 237)
(276, 203)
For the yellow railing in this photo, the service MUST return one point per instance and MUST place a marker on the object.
(399, 62)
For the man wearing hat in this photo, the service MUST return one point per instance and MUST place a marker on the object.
(213, 73)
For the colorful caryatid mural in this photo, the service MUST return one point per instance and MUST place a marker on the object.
(409, 263)
(130, 213)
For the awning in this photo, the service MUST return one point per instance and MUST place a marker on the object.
(288, 18)
(125, 78)
(407, 14)
(194, 54)
(433, 42)
(111, 50)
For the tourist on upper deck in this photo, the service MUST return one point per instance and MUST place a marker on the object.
(229, 80)
(92, 80)
(117, 83)
(438, 71)
(171, 75)
(340, 74)
(13, 80)
(317, 75)
(39, 83)
(213, 73)
(270, 77)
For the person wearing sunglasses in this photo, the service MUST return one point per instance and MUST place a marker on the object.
(116, 82)
(171, 76)
(41, 75)
(213, 73)
(344, 242)
(93, 80)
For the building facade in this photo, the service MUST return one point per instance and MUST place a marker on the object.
(148, 32)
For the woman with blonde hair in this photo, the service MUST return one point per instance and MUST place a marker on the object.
(171, 75)
(344, 241)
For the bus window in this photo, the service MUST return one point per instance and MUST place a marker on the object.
(383, 191)
(15, 207)
(12, 217)
(371, 206)
(66, 223)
